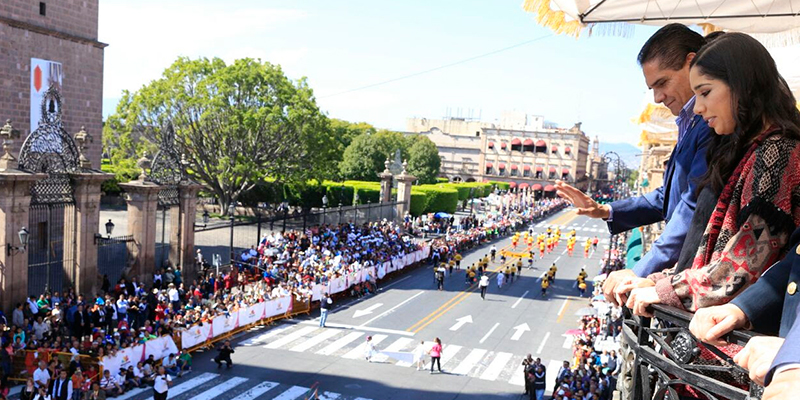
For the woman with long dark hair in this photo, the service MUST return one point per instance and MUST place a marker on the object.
(749, 200)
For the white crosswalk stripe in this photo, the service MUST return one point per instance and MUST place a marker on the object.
(256, 391)
(317, 339)
(340, 343)
(215, 391)
(292, 393)
(473, 362)
(262, 338)
(291, 337)
(496, 367)
(552, 370)
(465, 366)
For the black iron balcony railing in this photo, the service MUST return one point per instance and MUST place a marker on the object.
(661, 359)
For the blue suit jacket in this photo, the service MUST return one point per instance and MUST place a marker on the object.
(771, 309)
(673, 202)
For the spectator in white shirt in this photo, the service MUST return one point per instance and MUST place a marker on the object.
(40, 328)
(41, 376)
(32, 305)
(122, 308)
(109, 384)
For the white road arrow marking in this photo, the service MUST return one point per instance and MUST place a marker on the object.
(367, 311)
(460, 322)
(519, 330)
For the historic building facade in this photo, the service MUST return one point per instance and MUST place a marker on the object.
(518, 149)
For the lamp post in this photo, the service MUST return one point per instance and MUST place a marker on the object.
(231, 211)
(23, 241)
(324, 208)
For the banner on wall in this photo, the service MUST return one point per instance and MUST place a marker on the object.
(383, 268)
(195, 335)
(160, 348)
(44, 73)
(317, 291)
(409, 259)
(336, 285)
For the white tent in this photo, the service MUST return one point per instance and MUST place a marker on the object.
(774, 21)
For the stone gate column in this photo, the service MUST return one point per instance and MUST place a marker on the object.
(87, 217)
(182, 230)
(404, 182)
(142, 199)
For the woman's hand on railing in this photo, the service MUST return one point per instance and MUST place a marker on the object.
(640, 299)
(628, 284)
(710, 324)
(758, 355)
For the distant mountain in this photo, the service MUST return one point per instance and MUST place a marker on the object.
(630, 154)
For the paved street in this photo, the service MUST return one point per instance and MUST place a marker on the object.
(484, 340)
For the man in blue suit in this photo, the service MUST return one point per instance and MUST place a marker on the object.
(769, 306)
(665, 60)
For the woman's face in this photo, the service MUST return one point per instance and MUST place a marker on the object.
(713, 102)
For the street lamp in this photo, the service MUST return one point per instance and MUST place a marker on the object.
(109, 229)
(23, 241)
(206, 218)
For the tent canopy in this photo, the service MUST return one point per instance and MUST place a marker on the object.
(775, 18)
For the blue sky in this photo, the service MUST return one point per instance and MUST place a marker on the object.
(342, 45)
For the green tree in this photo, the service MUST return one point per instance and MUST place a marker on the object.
(423, 159)
(236, 123)
(364, 157)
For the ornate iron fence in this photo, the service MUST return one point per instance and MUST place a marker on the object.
(661, 359)
(112, 256)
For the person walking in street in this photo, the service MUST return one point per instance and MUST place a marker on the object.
(419, 355)
(484, 284)
(436, 354)
(324, 306)
(527, 369)
(440, 278)
(225, 355)
(161, 384)
(500, 279)
(494, 251)
(545, 285)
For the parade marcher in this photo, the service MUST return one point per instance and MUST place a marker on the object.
(500, 279)
(225, 355)
(440, 278)
(484, 284)
(493, 251)
(545, 285)
(369, 351)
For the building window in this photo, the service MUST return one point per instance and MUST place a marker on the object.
(42, 8)
(477, 133)
(516, 145)
(538, 174)
(526, 173)
(541, 147)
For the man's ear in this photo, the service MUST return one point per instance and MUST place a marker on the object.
(689, 58)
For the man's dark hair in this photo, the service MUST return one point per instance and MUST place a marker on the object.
(670, 45)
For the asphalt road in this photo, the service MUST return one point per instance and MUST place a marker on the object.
(485, 340)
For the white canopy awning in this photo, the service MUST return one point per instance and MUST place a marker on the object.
(777, 18)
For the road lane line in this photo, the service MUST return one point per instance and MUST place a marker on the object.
(496, 367)
(554, 365)
(256, 391)
(317, 339)
(561, 312)
(291, 337)
(490, 332)
(389, 311)
(333, 347)
(465, 366)
(567, 342)
(395, 283)
(541, 346)
(217, 390)
(361, 350)
(448, 302)
(465, 294)
(520, 299)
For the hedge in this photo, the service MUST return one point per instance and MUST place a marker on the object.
(419, 201)
(463, 190)
(440, 198)
(442, 180)
(501, 185)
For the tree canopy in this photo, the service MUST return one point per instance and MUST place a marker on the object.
(236, 124)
